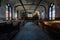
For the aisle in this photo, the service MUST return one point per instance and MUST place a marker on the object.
(30, 31)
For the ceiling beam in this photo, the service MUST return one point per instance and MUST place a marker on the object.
(29, 4)
(37, 5)
(29, 9)
(22, 5)
(25, 5)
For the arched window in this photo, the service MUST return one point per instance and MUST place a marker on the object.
(52, 12)
(50, 15)
(10, 11)
(43, 15)
(6, 12)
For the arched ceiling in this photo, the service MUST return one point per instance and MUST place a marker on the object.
(28, 5)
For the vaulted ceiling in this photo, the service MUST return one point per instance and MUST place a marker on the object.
(27, 5)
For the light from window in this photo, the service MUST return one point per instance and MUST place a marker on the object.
(53, 15)
(6, 12)
(50, 14)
